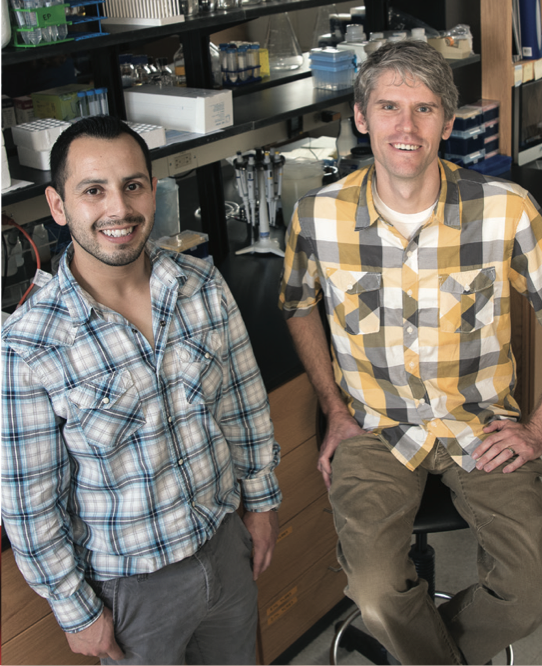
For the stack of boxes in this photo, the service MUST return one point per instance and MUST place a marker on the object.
(34, 141)
(474, 141)
(332, 69)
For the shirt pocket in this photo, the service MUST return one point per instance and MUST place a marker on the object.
(355, 298)
(467, 300)
(200, 365)
(109, 409)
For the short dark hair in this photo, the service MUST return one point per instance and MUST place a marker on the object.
(96, 127)
(408, 59)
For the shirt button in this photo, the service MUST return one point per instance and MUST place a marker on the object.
(185, 355)
(193, 504)
(409, 329)
(467, 288)
(411, 364)
(409, 292)
(207, 355)
(105, 401)
(180, 461)
(422, 401)
(162, 323)
(169, 419)
(134, 330)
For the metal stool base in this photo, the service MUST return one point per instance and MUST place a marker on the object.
(334, 651)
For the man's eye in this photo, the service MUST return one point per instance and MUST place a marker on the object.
(133, 186)
(425, 109)
(92, 191)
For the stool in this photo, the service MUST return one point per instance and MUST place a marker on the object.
(437, 513)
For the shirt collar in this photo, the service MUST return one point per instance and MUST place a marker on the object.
(448, 209)
(164, 268)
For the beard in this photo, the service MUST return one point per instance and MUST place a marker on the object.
(119, 255)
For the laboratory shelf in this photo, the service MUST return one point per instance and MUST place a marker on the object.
(251, 112)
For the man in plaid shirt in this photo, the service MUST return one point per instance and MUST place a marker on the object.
(414, 259)
(134, 416)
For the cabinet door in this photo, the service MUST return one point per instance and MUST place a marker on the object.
(293, 410)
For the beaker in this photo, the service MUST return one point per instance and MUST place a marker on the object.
(281, 42)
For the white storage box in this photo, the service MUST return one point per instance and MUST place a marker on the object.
(35, 159)
(38, 135)
(154, 136)
(186, 109)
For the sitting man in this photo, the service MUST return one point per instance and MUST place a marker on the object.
(134, 416)
(414, 259)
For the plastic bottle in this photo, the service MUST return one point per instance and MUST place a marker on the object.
(242, 63)
(180, 70)
(101, 98)
(82, 104)
(231, 52)
(41, 239)
(253, 56)
(35, 35)
(354, 33)
(346, 139)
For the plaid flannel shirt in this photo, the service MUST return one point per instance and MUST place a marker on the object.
(420, 328)
(119, 459)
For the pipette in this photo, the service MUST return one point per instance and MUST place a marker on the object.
(278, 163)
(269, 188)
(251, 188)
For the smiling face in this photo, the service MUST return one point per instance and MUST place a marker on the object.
(405, 121)
(109, 200)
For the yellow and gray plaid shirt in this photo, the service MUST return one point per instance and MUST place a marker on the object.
(420, 328)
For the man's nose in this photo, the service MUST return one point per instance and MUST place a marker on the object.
(406, 121)
(118, 204)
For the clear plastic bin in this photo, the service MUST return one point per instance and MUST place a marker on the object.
(489, 108)
(467, 117)
(466, 160)
(333, 78)
(466, 142)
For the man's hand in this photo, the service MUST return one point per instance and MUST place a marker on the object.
(264, 530)
(340, 426)
(98, 640)
(509, 440)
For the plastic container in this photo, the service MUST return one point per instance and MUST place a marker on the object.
(332, 69)
(467, 117)
(491, 143)
(489, 108)
(167, 216)
(467, 141)
(466, 160)
(299, 177)
(494, 166)
(492, 128)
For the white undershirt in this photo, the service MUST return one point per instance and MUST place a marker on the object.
(407, 224)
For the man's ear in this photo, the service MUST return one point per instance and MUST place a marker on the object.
(56, 205)
(360, 121)
(447, 129)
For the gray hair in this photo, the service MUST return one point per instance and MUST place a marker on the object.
(414, 59)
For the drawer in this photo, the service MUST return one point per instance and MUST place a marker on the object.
(301, 483)
(291, 613)
(301, 543)
(293, 410)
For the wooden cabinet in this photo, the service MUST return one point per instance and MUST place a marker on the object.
(304, 580)
(30, 633)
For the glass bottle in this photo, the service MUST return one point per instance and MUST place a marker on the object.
(281, 42)
(180, 71)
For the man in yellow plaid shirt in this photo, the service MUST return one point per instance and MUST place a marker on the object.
(415, 259)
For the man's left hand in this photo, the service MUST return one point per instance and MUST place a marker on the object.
(264, 530)
(510, 441)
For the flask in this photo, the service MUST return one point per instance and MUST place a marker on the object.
(180, 71)
(322, 26)
(281, 42)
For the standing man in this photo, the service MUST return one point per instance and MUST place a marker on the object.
(414, 259)
(134, 418)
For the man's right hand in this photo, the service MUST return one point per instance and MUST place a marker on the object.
(340, 426)
(98, 640)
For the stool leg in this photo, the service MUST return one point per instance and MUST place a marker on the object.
(423, 556)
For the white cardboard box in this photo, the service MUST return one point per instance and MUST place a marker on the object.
(39, 134)
(35, 159)
(186, 109)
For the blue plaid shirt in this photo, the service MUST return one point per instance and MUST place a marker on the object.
(118, 458)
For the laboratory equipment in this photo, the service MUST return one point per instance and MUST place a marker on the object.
(322, 25)
(259, 181)
(299, 177)
(167, 215)
(281, 42)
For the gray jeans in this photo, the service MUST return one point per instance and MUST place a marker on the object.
(375, 499)
(201, 610)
